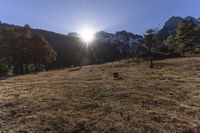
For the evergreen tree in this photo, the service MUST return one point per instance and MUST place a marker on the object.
(197, 45)
(150, 43)
(171, 44)
(187, 36)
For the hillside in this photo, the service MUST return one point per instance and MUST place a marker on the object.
(106, 46)
(67, 48)
(163, 99)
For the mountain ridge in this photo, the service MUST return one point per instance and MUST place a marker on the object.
(107, 46)
(171, 25)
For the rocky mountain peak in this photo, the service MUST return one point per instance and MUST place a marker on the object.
(172, 24)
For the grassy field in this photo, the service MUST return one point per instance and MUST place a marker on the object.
(143, 100)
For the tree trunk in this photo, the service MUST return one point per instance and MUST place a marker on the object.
(26, 68)
(151, 60)
(16, 69)
(183, 52)
(36, 67)
(21, 69)
(172, 53)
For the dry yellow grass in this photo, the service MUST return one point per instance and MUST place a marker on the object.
(163, 99)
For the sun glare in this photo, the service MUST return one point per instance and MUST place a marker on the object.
(87, 34)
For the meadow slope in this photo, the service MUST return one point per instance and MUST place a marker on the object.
(163, 99)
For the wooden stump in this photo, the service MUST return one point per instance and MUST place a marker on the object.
(116, 75)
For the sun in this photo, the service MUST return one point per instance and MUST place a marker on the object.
(87, 34)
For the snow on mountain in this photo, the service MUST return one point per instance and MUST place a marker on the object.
(123, 40)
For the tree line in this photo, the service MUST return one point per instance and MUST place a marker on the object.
(186, 40)
(23, 51)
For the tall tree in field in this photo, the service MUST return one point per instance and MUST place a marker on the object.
(150, 43)
(41, 52)
(187, 36)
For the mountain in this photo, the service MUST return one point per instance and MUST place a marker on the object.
(171, 25)
(120, 38)
(124, 41)
(105, 47)
(198, 20)
(67, 48)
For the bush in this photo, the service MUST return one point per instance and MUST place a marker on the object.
(3, 69)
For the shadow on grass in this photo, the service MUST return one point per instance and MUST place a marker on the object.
(3, 78)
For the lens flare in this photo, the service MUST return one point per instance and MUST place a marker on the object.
(87, 34)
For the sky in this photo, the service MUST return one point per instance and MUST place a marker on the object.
(64, 16)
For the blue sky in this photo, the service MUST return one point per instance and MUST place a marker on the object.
(65, 16)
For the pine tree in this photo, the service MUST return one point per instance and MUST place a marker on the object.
(197, 45)
(170, 42)
(187, 36)
(150, 43)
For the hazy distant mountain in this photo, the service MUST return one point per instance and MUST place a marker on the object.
(171, 25)
(120, 38)
(123, 40)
